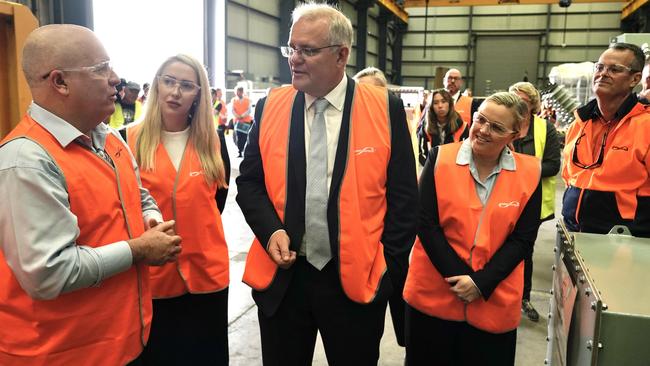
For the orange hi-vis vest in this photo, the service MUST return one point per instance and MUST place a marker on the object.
(185, 196)
(622, 172)
(362, 201)
(241, 106)
(223, 113)
(106, 324)
(464, 108)
(475, 232)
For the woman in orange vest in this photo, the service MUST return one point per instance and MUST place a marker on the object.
(182, 163)
(465, 281)
(441, 124)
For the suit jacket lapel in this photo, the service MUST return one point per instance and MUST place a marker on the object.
(297, 160)
(340, 161)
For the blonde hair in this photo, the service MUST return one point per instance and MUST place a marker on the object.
(515, 105)
(202, 132)
(531, 92)
(372, 72)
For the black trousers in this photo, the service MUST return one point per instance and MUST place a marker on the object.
(528, 276)
(188, 330)
(431, 341)
(241, 141)
(315, 302)
(528, 270)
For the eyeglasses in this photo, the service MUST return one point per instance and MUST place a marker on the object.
(288, 51)
(601, 155)
(495, 127)
(612, 69)
(103, 69)
(185, 86)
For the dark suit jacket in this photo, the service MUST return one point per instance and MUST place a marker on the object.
(401, 217)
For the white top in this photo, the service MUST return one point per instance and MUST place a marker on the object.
(333, 117)
(174, 143)
(456, 96)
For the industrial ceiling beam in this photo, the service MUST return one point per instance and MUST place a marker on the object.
(422, 3)
(397, 10)
(631, 6)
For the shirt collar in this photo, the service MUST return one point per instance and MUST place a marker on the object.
(456, 96)
(506, 159)
(590, 111)
(336, 96)
(63, 131)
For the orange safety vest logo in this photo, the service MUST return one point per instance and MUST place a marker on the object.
(362, 200)
(186, 197)
(475, 238)
(102, 325)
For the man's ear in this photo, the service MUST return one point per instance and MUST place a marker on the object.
(58, 82)
(637, 79)
(343, 54)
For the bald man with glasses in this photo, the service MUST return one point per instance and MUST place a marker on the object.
(606, 162)
(77, 230)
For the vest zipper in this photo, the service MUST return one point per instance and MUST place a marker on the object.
(137, 267)
(178, 174)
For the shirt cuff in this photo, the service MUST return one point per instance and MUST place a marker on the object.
(477, 288)
(270, 237)
(114, 258)
(152, 214)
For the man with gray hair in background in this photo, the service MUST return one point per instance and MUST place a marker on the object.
(328, 186)
(606, 159)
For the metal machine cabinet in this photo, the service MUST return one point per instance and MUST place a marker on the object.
(600, 308)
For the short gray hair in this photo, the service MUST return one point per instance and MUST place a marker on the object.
(340, 31)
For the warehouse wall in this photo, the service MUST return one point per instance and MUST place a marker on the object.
(252, 40)
(452, 34)
(255, 30)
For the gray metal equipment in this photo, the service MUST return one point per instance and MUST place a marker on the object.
(600, 308)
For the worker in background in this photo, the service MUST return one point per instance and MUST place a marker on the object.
(479, 216)
(77, 230)
(440, 125)
(183, 164)
(128, 109)
(539, 138)
(242, 111)
(372, 76)
(606, 162)
(328, 186)
(145, 93)
(453, 83)
(220, 110)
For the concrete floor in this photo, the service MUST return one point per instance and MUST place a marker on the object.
(244, 338)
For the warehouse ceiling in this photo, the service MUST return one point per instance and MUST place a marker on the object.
(431, 3)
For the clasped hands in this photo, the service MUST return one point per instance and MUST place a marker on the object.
(464, 288)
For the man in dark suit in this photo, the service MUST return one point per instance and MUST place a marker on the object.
(328, 186)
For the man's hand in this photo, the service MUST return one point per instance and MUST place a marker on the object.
(278, 249)
(155, 246)
(464, 288)
(151, 223)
